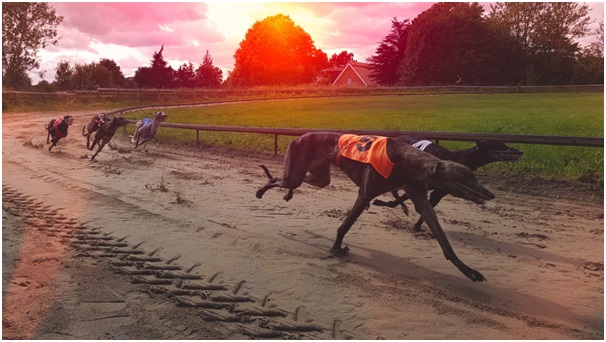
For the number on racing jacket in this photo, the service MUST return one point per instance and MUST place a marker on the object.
(365, 143)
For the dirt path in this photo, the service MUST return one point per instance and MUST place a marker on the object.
(173, 244)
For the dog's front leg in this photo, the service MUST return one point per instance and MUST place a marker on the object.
(101, 145)
(435, 198)
(418, 195)
(361, 203)
(54, 142)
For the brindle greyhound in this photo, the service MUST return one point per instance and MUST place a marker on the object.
(93, 125)
(308, 160)
(57, 129)
(105, 133)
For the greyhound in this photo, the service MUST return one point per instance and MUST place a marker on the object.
(146, 128)
(93, 125)
(105, 133)
(308, 160)
(57, 129)
(484, 153)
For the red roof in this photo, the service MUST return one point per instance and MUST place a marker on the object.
(361, 70)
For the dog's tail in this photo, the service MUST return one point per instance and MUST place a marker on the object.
(267, 172)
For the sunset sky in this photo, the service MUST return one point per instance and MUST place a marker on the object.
(129, 33)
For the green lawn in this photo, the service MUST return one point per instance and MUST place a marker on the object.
(560, 114)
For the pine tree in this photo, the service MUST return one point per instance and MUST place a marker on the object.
(390, 53)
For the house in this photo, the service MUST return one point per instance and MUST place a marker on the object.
(355, 74)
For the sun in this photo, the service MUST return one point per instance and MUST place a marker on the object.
(233, 20)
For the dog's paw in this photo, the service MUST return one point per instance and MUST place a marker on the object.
(339, 252)
(259, 193)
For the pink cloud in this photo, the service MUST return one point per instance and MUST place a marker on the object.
(100, 19)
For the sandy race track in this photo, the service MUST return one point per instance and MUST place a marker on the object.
(172, 244)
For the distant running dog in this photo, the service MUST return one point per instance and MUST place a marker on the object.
(57, 129)
(93, 125)
(484, 153)
(106, 132)
(308, 160)
(146, 129)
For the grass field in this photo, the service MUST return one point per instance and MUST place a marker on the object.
(559, 114)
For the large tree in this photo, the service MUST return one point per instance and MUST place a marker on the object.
(90, 77)
(275, 51)
(390, 53)
(63, 74)
(185, 76)
(158, 75)
(442, 45)
(27, 27)
(118, 79)
(452, 43)
(547, 34)
(589, 68)
(340, 60)
(208, 75)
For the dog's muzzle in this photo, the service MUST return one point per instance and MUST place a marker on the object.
(477, 194)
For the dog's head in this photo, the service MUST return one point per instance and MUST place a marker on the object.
(160, 116)
(498, 151)
(459, 180)
(119, 121)
(68, 119)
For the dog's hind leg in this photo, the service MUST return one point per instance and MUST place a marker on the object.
(418, 195)
(392, 204)
(318, 173)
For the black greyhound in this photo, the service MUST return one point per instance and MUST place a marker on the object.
(484, 153)
(57, 129)
(105, 133)
(308, 160)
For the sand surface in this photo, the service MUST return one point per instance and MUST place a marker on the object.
(172, 243)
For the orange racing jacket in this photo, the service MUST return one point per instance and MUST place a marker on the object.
(368, 149)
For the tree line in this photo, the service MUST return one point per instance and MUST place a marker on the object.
(514, 43)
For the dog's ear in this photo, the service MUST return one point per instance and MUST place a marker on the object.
(443, 169)
(429, 171)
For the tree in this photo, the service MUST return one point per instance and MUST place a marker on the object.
(118, 79)
(185, 76)
(340, 60)
(90, 77)
(63, 73)
(390, 53)
(275, 51)
(546, 33)
(27, 27)
(589, 68)
(158, 75)
(451, 42)
(208, 75)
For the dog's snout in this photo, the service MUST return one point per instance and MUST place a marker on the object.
(490, 195)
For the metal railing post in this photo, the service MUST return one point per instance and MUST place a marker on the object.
(275, 144)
